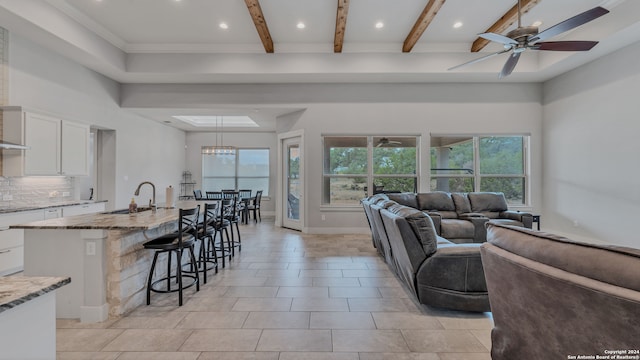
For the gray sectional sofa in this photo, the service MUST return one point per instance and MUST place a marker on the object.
(461, 217)
(432, 242)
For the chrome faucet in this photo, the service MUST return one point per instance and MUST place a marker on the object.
(154, 192)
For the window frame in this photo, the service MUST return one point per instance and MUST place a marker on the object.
(369, 175)
(237, 165)
(477, 174)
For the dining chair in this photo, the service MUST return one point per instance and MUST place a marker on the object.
(255, 206)
(245, 199)
(197, 194)
(214, 195)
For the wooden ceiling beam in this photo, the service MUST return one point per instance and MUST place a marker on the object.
(500, 26)
(261, 24)
(428, 14)
(341, 24)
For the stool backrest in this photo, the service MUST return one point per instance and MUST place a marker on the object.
(188, 223)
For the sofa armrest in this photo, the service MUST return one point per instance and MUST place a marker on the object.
(525, 218)
(436, 217)
(456, 267)
(479, 229)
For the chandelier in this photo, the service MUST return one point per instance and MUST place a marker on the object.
(219, 149)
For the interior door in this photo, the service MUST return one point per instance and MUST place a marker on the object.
(293, 184)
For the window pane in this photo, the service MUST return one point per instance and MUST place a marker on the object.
(253, 162)
(513, 188)
(217, 184)
(452, 184)
(394, 160)
(345, 155)
(405, 184)
(218, 165)
(346, 191)
(501, 155)
(255, 184)
(451, 155)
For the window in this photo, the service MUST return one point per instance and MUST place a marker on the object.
(359, 166)
(480, 163)
(244, 169)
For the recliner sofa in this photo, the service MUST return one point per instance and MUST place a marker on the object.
(552, 297)
(438, 272)
(461, 217)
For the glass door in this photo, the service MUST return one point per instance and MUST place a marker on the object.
(293, 185)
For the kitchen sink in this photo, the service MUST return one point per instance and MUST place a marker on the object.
(126, 211)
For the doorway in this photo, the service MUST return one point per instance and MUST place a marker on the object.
(291, 210)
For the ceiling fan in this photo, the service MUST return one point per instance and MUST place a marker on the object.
(528, 37)
(384, 142)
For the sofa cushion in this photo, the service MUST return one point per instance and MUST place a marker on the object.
(457, 229)
(421, 225)
(489, 203)
(462, 202)
(407, 199)
(435, 201)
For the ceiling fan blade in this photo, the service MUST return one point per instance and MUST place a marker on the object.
(498, 38)
(570, 23)
(479, 59)
(510, 65)
(565, 45)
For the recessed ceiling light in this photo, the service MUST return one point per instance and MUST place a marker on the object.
(379, 25)
(537, 23)
(457, 24)
(223, 25)
(300, 25)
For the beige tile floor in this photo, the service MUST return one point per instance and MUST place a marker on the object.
(287, 296)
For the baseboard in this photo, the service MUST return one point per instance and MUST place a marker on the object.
(94, 314)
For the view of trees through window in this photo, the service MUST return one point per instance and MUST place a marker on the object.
(480, 163)
(352, 164)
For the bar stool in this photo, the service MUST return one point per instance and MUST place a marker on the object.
(207, 256)
(231, 212)
(217, 224)
(175, 243)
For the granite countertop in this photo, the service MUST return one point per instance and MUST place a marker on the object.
(12, 209)
(16, 290)
(103, 221)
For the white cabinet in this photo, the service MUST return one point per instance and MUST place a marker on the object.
(83, 209)
(58, 147)
(12, 240)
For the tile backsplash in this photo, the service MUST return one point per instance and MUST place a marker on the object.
(31, 190)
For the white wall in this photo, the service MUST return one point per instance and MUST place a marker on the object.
(240, 139)
(418, 109)
(422, 119)
(591, 171)
(145, 150)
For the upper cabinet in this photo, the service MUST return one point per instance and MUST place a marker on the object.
(58, 147)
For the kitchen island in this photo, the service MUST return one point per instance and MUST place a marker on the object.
(27, 316)
(103, 255)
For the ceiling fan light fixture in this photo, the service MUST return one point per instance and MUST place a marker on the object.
(529, 37)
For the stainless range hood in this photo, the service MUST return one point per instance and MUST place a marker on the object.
(9, 145)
